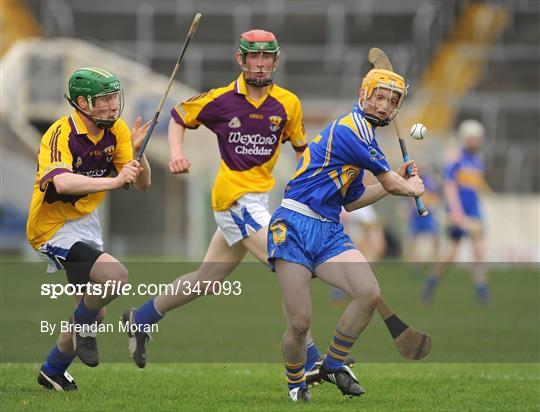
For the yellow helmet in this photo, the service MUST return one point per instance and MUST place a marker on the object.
(385, 79)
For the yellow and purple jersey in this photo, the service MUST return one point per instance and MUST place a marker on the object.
(331, 169)
(467, 171)
(67, 147)
(249, 135)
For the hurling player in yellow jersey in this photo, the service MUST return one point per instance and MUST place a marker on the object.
(251, 117)
(77, 156)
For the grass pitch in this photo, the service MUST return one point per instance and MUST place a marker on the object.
(223, 353)
(260, 387)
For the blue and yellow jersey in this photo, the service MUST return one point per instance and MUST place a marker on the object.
(68, 148)
(467, 171)
(331, 169)
(430, 198)
(249, 135)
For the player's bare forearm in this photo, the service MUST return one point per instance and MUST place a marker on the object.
(144, 180)
(74, 184)
(176, 139)
(452, 198)
(372, 194)
(398, 186)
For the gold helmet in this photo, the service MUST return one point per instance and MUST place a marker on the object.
(384, 79)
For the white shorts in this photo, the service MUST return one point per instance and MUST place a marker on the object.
(248, 212)
(85, 229)
(365, 215)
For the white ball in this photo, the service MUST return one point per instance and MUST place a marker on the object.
(418, 131)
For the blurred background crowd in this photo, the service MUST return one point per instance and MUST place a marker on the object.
(462, 59)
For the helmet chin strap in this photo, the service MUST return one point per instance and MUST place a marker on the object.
(375, 121)
(101, 123)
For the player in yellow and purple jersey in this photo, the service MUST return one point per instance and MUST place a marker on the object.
(463, 183)
(251, 117)
(306, 239)
(77, 157)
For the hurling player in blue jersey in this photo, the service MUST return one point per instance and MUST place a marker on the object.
(305, 238)
(463, 181)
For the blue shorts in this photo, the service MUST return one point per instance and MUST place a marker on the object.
(422, 225)
(305, 240)
(457, 233)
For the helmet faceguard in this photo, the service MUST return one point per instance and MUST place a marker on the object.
(261, 42)
(382, 79)
(102, 92)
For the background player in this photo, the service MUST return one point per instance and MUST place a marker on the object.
(251, 117)
(423, 230)
(464, 179)
(306, 238)
(76, 157)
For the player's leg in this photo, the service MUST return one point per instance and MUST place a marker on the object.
(256, 245)
(220, 260)
(350, 272)
(84, 264)
(294, 281)
(440, 267)
(479, 271)
(53, 374)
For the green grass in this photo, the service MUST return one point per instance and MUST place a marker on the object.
(260, 387)
(224, 352)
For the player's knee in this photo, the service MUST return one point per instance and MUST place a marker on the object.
(119, 274)
(299, 324)
(370, 294)
(373, 295)
(101, 315)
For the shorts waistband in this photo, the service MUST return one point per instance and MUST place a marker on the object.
(302, 209)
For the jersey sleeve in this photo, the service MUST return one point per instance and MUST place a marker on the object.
(294, 129)
(124, 148)
(188, 113)
(54, 156)
(359, 153)
(355, 190)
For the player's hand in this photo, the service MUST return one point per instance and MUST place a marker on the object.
(138, 132)
(417, 184)
(403, 169)
(179, 164)
(457, 219)
(128, 174)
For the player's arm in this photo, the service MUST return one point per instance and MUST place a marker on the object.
(398, 186)
(455, 209)
(372, 194)
(138, 133)
(294, 130)
(376, 192)
(73, 184)
(451, 194)
(187, 115)
(179, 162)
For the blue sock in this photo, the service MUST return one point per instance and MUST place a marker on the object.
(295, 374)
(312, 355)
(482, 293)
(57, 362)
(338, 350)
(429, 287)
(83, 315)
(147, 314)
